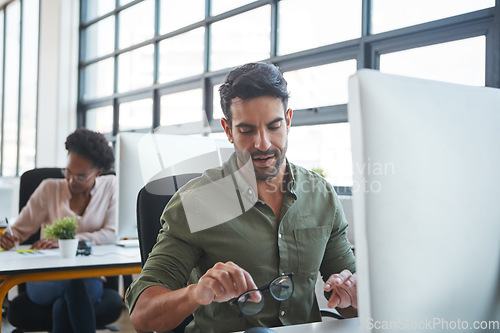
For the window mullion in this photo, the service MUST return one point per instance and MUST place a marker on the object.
(2, 144)
(19, 92)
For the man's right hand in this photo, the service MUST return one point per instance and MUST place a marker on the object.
(221, 283)
(7, 241)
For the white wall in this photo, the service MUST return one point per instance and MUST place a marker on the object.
(58, 79)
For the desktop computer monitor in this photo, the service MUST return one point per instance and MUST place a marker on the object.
(426, 162)
(142, 158)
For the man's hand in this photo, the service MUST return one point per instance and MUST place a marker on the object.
(7, 241)
(44, 244)
(344, 290)
(161, 309)
(221, 283)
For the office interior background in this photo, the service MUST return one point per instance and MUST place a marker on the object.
(122, 65)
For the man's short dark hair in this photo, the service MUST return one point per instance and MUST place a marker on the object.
(251, 81)
(92, 146)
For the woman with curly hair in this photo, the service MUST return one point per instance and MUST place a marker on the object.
(85, 194)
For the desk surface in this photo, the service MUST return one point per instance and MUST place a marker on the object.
(50, 260)
(44, 265)
(327, 326)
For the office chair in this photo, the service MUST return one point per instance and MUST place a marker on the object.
(40, 317)
(149, 210)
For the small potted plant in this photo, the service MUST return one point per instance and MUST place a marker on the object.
(64, 231)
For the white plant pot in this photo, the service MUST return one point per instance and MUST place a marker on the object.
(67, 247)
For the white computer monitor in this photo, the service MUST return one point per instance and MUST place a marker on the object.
(144, 157)
(426, 164)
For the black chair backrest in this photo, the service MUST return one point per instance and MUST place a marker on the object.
(28, 184)
(31, 179)
(151, 202)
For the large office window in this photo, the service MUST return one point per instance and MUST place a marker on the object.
(440, 61)
(18, 85)
(151, 63)
(393, 14)
(306, 25)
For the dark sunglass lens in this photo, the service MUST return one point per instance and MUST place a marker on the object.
(251, 302)
(281, 288)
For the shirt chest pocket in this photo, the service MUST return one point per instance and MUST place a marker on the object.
(311, 245)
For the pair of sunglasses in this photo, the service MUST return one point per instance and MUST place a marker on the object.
(251, 302)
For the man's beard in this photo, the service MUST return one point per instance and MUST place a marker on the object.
(269, 172)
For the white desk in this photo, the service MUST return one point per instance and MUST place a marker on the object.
(105, 260)
(327, 326)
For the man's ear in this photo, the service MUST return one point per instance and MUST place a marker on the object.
(227, 128)
(289, 114)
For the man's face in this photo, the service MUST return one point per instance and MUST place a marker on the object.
(259, 131)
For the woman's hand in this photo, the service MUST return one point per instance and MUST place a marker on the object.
(44, 244)
(8, 241)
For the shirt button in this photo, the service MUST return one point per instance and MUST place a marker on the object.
(282, 313)
(280, 235)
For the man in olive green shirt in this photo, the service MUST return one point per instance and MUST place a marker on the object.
(291, 221)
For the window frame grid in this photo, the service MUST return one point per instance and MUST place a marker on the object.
(20, 81)
(19, 84)
(366, 50)
(2, 110)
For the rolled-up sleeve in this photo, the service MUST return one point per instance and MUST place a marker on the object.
(338, 254)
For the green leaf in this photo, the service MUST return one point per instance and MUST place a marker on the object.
(61, 229)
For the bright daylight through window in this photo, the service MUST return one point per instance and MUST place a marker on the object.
(166, 70)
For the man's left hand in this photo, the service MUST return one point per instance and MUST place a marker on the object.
(344, 289)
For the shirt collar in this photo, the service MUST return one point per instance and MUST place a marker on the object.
(248, 189)
(96, 185)
(292, 184)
